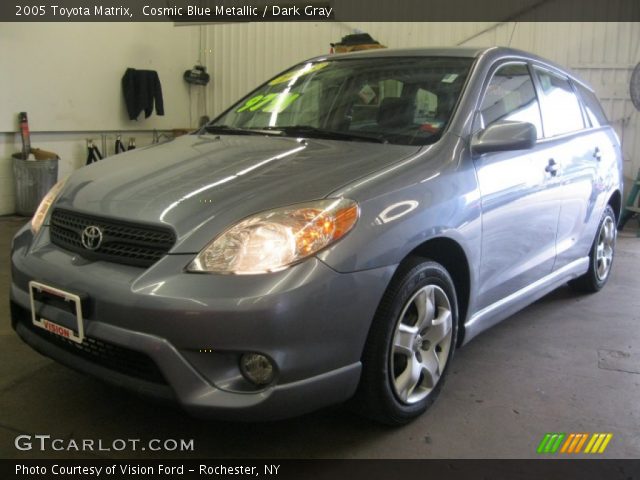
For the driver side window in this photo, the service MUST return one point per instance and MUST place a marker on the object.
(510, 96)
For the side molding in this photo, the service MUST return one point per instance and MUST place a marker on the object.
(498, 311)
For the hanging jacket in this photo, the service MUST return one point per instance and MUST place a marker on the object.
(141, 90)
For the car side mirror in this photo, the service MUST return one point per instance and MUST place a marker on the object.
(504, 137)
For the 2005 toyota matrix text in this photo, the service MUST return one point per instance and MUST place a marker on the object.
(335, 235)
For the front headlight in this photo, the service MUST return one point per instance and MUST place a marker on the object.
(45, 204)
(273, 240)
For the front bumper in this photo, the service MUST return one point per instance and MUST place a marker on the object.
(192, 328)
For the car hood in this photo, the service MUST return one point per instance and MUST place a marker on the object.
(201, 184)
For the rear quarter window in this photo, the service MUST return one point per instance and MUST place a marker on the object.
(592, 107)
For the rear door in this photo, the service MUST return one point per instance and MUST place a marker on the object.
(577, 148)
(520, 194)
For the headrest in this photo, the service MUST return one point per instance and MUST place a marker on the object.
(396, 112)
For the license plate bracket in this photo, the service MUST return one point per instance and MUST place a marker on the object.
(77, 335)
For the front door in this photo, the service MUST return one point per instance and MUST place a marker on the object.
(520, 193)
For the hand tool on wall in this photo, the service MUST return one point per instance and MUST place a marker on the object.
(93, 154)
(24, 133)
(119, 147)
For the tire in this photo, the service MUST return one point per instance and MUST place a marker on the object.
(600, 257)
(410, 344)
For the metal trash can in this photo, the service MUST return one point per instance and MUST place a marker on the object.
(32, 180)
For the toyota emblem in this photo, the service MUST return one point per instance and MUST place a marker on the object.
(92, 237)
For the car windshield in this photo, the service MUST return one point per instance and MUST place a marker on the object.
(401, 100)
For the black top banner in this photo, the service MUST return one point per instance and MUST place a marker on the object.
(200, 11)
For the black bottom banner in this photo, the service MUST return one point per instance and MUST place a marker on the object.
(546, 469)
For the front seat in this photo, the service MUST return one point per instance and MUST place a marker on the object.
(396, 112)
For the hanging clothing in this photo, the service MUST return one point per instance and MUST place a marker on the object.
(141, 90)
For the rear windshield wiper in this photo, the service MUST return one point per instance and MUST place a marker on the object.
(227, 129)
(309, 131)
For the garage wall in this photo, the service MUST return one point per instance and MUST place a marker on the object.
(241, 56)
(67, 77)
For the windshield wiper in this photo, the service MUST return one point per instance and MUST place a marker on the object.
(227, 129)
(309, 131)
(302, 130)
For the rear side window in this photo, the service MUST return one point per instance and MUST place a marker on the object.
(561, 111)
(592, 106)
(511, 96)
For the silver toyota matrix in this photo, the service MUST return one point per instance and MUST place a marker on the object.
(335, 235)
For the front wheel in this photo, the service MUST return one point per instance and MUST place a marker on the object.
(410, 344)
(600, 257)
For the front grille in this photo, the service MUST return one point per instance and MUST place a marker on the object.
(107, 355)
(122, 242)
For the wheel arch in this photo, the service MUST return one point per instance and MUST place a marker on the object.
(450, 254)
(615, 201)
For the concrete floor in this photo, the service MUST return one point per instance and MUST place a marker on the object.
(568, 363)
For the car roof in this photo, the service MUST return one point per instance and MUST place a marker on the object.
(469, 52)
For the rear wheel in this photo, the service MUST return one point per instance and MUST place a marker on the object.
(410, 344)
(600, 257)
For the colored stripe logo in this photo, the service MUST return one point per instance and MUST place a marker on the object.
(572, 443)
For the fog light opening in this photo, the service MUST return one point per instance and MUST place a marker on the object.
(257, 368)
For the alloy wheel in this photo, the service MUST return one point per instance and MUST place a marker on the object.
(421, 344)
(605, 247)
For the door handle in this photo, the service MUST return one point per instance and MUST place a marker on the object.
(552, 167)
(597, 154)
